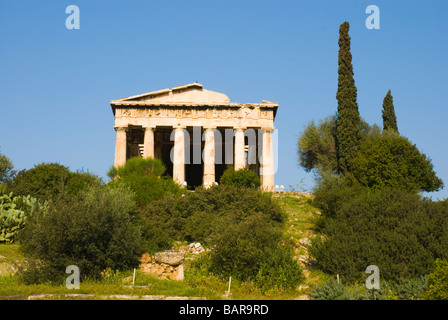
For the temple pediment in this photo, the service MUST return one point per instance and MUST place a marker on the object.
(190, 94)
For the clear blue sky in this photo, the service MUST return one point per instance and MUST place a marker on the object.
(56, 84)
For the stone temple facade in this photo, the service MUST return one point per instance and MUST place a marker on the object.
(197, 133)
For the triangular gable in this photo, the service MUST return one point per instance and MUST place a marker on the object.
(193, 93)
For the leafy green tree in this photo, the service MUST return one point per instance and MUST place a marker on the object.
(393, 161)
(93, 230)
(6, 168)
(348, 130)
(145, 178)
(389, 118)
(47, 180)
(243, 178)
(316, 146)
(138, 166)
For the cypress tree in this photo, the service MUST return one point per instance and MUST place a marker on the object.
(348, 130)
(389, 119)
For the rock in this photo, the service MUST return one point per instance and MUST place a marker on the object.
(43, 296)
(303, 287)
(146, 258)
(172, 258)
(305, 242)
(303, 297)
(153, 297)
(302, 259)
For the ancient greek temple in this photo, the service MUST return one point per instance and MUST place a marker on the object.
(197, 133)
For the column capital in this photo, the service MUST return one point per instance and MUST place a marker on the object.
(240, 128)
(267, 128)
(149, 127)
(121, 128)
(179, 127)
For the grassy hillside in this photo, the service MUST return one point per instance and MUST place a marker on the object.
(298, 228)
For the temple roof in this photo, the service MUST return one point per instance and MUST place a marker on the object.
(192, 94)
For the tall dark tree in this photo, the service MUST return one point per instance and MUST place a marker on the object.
(389, 118)
(348, 130)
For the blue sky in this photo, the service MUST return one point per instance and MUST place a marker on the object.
(56, 84)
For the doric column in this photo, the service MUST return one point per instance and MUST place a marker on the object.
(240, 157)
(120, 146)
(209, 157)
(179, 155)
(148, 150)
(267, 161)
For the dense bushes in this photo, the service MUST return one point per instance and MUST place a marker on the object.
(92, 230)
(243, 226)
(47, 180)
(392, 161)
(243, 178)
(438, 282)
(144, 177)
(396, 230)
(195, 216)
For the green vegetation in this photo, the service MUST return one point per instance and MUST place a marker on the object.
(244, 227)
(438, 281)
(348, 123)
(92, 230)
(367, 191)
(316, 147)
(145, 178)
(14, 212)
(389, 118)
(243, 178)
(395, 230)
(366, 210)
(6, 169)
(47, 180)
(394, 162)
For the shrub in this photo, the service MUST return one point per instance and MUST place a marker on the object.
(279, 271)
(143, 177)
(329, 290)
(196, 216)
(47, 180)
(14, 212)
(243, 178)
(241, 245)
(242, 226)
(334, 290)
(92, 230)
(393, 161)
(138, 166)
(438, 282)
(393, 229)
(410, 289)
